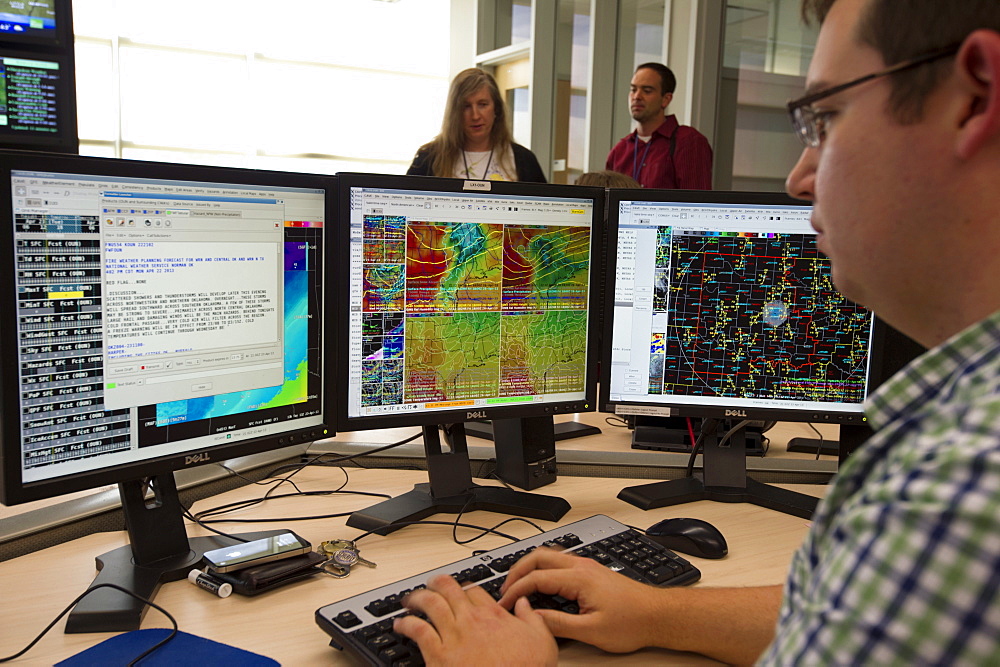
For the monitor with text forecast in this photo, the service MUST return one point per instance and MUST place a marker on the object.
(722, 308)
(465, 300)
(38, 100)
(155, 317)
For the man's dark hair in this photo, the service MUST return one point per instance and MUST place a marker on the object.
(901, 30)
(668, 82)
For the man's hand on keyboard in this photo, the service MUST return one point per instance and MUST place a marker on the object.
(468, 627)
(615, 611)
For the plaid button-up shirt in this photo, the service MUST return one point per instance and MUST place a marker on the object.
(902, 563)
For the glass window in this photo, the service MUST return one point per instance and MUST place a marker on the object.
(648, 32)
(408, 36)
(768, 36)
(227, 81)
(766, 55)
(508, 23)
(96, 101)
(579, 82)
(178, 98)
(347, 112)
(520, 30)
(219, 25)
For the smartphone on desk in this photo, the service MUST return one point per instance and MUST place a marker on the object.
(245, 554)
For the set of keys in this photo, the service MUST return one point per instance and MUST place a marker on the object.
(341, 556)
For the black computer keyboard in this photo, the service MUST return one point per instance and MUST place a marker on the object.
(362, 625)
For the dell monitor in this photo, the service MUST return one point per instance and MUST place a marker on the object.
(37, 76)
(467, 300)
(155, 317)
(723, 309)
(47, 24)
(37, 100)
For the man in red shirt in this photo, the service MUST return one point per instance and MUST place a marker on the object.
(661, 153)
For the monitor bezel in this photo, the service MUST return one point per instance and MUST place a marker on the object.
(853, 415)
(452, 185)
(13, 490)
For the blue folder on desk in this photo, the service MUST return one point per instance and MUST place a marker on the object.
(182, 649)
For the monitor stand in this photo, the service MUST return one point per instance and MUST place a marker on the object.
(670, 434)
(451, 490)
(852, 436)
(562, 430)
(814, 446)
(724, 479)
(159, 551)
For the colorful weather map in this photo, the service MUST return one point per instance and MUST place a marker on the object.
(471, 310)
(754, 315)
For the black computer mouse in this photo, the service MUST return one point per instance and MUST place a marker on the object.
(689, 536)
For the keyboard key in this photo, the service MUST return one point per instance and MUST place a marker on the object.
(379, 642)
(393, 654)
(347, 619)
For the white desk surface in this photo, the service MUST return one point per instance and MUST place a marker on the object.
(281, 625)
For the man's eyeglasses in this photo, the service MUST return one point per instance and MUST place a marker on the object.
(810, 125)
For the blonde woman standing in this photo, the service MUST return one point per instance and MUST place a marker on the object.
(475, 142)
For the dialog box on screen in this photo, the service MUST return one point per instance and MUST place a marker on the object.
(192, 296)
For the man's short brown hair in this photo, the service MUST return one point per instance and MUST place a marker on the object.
(901, 30)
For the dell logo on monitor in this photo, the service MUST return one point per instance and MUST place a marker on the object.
(197, 458)
(476, 414)
(736, 413)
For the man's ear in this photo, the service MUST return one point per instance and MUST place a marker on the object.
(978, 68)
(666, 100)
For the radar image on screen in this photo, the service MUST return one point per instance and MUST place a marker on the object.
(471, 310)
(753, 314)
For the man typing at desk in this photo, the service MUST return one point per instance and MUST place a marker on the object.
(902, 564)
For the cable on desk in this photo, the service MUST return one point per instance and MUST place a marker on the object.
(616, 421)
(431, 522)
(87, 592)
(485, 531)
(200, 517)
(819, 446)
(345, 457)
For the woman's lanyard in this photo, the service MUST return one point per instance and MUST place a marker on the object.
(485, 170)
(636, 165)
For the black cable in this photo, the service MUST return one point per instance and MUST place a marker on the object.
(493, 530)
(454, 527)
(482, 467)
(87, 592)
(701, 437)
(765, 445)
(201, 518)
(485, 531)
(403, 524)
(819, 446)
(344, 457)
(707, 426)
(194, 519)
(617, 422)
